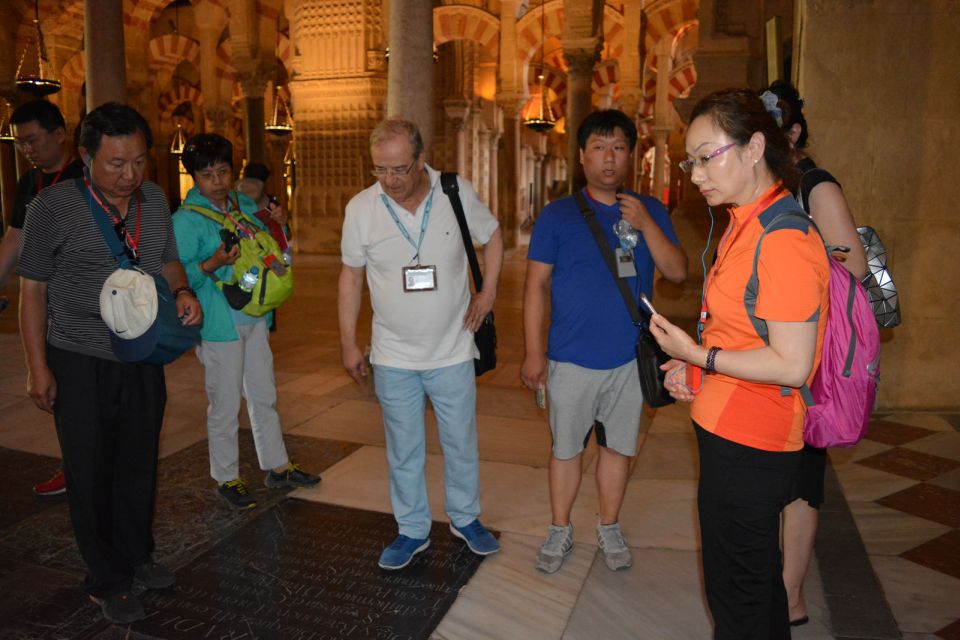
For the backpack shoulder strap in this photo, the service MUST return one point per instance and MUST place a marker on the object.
(783, 220)
(448, 182)
(206, 212)
(611, 261)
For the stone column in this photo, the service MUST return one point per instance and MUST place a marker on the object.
(579, 94)
(457, 111)
(410, 68)
(662, 123)
(661, 136)
(484, 173)
(494, 201)
(509, 173)
(8, 181)
(104, 59)
(210, 20)
(253, 117)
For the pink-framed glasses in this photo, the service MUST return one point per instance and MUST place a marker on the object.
(688, 165)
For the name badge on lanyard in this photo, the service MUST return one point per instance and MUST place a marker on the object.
(626, 267)
(419, 277)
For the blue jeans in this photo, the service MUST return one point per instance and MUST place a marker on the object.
(453, 393)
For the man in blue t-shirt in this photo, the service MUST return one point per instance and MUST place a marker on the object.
(589, 370)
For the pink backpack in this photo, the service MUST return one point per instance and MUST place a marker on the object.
(844, 389)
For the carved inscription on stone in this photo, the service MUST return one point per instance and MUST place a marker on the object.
(306, 571)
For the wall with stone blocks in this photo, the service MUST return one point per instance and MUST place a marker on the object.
(882, 94)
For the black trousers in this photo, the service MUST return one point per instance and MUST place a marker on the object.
(108, 416)
(741, 493)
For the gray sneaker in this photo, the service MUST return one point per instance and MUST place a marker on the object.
(555, 548)
(614, 547)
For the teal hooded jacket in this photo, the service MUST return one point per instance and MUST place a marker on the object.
(198, 238)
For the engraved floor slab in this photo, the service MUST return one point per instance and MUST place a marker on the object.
(308, 570)
(19, 471)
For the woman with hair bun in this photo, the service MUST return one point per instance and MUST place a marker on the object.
(747, 409)
(821, 197)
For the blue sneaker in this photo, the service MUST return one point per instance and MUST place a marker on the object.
(401, 552)
(480, 541)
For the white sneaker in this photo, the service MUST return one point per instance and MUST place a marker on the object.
(614, 547)
(555, 548)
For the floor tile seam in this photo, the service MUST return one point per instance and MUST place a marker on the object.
(583, 586)
(293, 425)
(849, 563)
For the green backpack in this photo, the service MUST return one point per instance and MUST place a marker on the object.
(258, 249)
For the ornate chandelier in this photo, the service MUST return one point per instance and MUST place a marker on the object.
(538, 115)
(280, 124)
(42, 83)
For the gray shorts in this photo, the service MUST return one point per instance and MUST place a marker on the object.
(578, 397)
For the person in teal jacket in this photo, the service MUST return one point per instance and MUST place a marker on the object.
(235, 347)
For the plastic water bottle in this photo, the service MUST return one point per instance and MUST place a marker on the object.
(249, 279)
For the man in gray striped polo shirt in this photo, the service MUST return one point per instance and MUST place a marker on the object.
(108, 414)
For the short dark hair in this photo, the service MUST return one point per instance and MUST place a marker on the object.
(205, 150)
(256, 171)
(112, 119)
(740, 113)
(791, 104)
(603, 123)
(46, 114)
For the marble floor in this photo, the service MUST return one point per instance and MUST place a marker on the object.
(887, 558)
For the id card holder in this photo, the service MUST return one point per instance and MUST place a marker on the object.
(626, 268)
(420, 278)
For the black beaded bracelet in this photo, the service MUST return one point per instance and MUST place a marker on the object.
(179, 290)
(711, 365)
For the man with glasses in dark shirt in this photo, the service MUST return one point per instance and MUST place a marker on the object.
(39, 133)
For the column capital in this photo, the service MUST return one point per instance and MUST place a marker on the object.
(217, 116)
(209, 16)
(457, 109)
(581, 54)
(511, 103)
(254, 83)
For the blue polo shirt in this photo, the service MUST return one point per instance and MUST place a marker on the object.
(589, 323)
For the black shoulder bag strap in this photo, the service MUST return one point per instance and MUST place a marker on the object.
(449, 183)
(591, 219)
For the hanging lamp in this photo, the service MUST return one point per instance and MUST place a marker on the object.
(6, 133)
(539, 115)
(42, 83)
(177, 141)
(279, 125)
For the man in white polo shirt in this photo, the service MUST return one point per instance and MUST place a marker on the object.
(403, 234)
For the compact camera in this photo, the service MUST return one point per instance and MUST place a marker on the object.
(229, 239)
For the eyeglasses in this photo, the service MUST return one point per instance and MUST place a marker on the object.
(379, 172)
(687, 165)
(29, 143)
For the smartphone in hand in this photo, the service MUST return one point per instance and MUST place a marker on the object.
(645, 302)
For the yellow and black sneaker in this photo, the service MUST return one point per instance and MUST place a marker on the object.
(293, 476)
(236, 494)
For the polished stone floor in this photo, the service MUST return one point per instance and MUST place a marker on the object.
(887, 563)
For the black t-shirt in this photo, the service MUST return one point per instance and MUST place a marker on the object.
(810, 176)
(32, 182)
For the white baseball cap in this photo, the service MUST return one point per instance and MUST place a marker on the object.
(128, 303)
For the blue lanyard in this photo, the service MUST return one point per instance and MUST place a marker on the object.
(403, 229)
